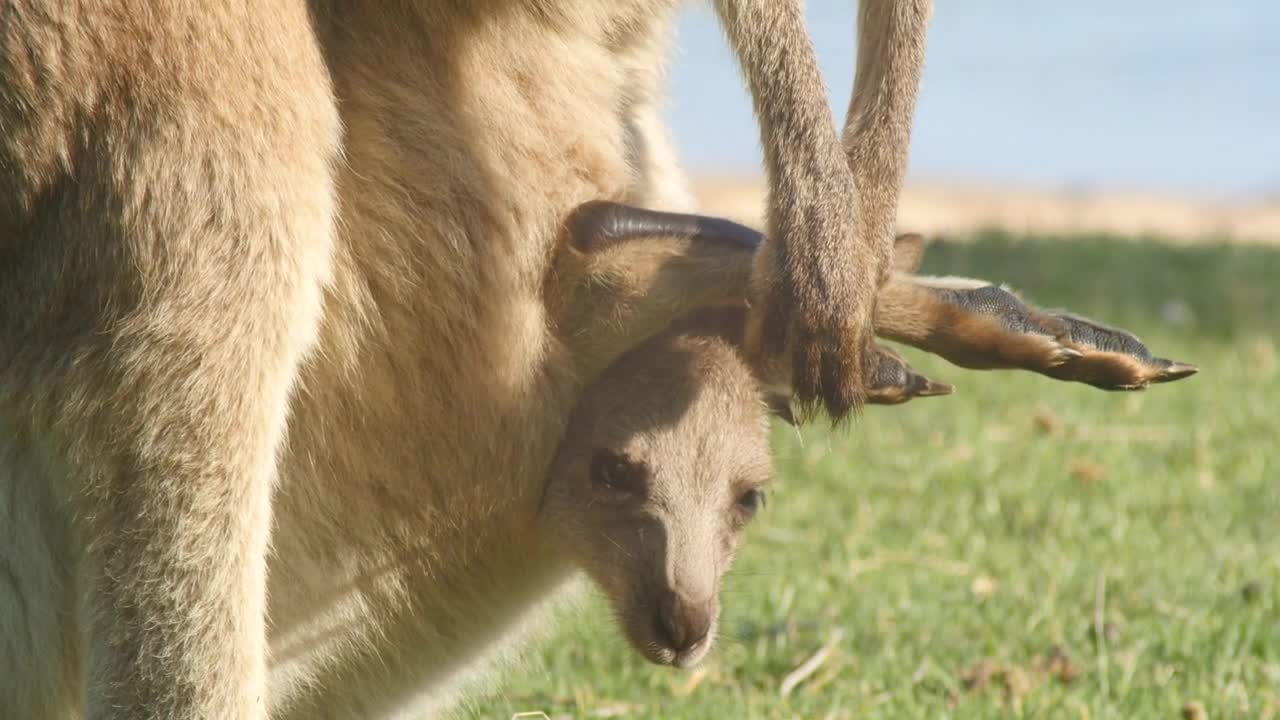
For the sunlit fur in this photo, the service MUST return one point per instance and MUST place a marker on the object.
(277, 379)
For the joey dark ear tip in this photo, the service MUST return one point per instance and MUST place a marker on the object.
(586, 225)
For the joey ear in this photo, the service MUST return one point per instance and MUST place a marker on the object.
(620, 274)
(908, 252)
(597, 225)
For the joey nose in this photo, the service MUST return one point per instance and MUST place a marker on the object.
(682, 624)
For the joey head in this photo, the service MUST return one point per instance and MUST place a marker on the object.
(665, 462)
(665, 459)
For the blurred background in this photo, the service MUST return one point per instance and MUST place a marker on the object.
(1025, 547)
(1131, 116)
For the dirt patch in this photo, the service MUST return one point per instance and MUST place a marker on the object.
(1010, 682)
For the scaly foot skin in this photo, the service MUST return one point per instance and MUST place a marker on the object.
(1112, 359)
(1058, 345)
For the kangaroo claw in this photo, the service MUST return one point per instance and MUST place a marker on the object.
(893, 382)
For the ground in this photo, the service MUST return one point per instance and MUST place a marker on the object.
(948, 207)
(1023, 548)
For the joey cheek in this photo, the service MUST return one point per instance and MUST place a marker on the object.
(624, 547)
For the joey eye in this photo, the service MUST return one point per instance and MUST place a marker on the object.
(751, 501)
(616, 473)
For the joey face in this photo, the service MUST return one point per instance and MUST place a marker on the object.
(664, 464)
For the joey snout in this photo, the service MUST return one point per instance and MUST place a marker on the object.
(683, 624)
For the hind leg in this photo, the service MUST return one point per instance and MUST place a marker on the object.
(161, 285)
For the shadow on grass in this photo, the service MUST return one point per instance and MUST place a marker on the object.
(1212, 291)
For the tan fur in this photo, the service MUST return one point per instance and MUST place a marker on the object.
(683, 421)
(192, 344)
(165, 231)
(173, 279)
(278, 384)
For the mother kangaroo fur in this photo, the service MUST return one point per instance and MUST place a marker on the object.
(291, 324)
(274, 353)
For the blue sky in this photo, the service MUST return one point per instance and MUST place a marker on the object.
(1128, 94)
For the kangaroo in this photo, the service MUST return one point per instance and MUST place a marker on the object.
(618, 273)
(272, 311)
(664, 463)
(665, 459)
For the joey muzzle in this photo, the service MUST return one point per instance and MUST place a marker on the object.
(682, 623)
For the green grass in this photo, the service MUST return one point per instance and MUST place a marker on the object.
(1135, 534)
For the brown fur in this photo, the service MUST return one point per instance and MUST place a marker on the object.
(977, 325)
(278, 382)
(830, 211)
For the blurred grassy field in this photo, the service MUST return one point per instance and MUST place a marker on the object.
(1023, 548)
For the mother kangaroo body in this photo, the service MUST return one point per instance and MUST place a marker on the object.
(273, 340)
